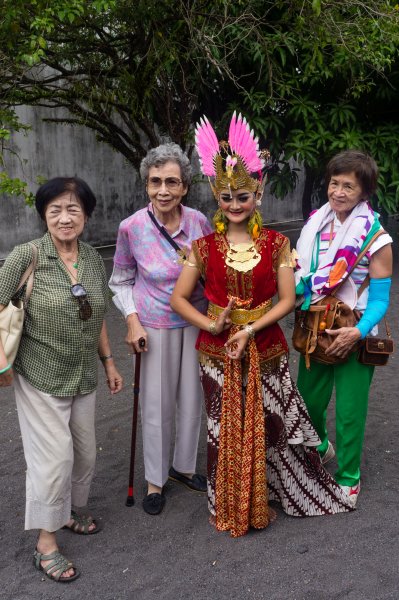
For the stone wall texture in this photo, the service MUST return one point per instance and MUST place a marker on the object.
(50, 150)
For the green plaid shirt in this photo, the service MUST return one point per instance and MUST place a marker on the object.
(58, 351)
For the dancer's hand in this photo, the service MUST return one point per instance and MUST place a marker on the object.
(235, 346)
(223, 321)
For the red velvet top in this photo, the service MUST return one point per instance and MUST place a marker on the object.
(257, 285)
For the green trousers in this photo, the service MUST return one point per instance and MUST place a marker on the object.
(352, 384)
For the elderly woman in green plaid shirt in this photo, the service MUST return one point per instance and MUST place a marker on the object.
(55, 371)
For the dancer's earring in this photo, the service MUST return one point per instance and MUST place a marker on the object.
(259, 193)
(255, 225)
(220, 221)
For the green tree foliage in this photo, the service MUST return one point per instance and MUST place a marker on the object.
(332, 83)
(312, 76)
(8, 185)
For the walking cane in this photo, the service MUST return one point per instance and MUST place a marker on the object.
(136, 391)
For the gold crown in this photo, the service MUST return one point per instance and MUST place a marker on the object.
(235, 176)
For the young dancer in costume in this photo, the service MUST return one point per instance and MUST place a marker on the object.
(255, 413)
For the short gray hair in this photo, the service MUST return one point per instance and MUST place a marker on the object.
(171, 152)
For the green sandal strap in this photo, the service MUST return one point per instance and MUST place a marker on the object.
(58, 564)
(81, 522)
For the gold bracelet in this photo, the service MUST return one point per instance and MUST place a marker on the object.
(212, 328)
(250, 331)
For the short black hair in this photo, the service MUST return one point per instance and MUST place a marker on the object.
(361, 164)
(59, 185)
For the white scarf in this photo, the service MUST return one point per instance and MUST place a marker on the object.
(344, 249)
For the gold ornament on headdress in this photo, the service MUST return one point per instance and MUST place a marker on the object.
(233, 177)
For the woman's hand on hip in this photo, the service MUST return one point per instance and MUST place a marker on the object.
(344, 340)
(135, 334)
(235, 346)
(114, 378)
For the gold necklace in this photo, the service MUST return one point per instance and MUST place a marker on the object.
(242, 257)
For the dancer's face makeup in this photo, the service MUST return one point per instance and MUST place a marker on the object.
(237, 205)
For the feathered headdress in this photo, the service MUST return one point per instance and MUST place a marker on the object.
(230, 163)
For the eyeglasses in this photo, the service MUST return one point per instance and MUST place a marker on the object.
(172, 183)
(79, 292)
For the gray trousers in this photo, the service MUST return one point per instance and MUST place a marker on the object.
(170, 395)
(59, 443)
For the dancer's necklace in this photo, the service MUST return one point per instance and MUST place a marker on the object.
(242, 257)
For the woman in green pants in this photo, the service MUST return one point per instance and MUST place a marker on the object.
(328, 247)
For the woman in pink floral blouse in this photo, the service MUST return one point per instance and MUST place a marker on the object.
(146, 267)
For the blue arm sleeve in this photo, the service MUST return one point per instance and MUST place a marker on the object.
(377, 305)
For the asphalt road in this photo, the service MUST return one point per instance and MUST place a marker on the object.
(178, 554)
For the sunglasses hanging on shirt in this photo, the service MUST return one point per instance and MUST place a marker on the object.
(80, 294)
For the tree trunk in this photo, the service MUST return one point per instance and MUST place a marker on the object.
(310, 176)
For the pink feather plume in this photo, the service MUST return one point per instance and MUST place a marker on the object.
(242, 142)
(207, 146)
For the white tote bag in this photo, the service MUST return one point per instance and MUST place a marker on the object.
(12, 316)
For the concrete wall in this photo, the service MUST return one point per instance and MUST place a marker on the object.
(52, 149)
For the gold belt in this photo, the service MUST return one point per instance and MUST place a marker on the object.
(240, 316)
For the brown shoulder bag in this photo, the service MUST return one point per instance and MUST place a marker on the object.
(309, 336)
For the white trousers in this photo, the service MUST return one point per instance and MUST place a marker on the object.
(170, 394)
(59, 443)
